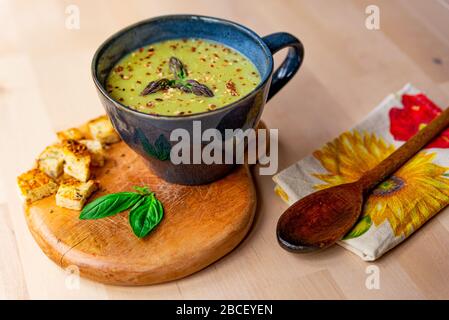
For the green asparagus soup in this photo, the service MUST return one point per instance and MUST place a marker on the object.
(181, 77)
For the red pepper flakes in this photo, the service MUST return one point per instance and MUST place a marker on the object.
(150, 53)
(193, 49)
(230, 85)
(119, 69)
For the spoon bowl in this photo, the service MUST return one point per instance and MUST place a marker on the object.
(320, 219)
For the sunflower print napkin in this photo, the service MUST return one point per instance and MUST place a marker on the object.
(399, 205)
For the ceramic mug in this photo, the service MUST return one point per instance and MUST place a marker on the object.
(149, 135)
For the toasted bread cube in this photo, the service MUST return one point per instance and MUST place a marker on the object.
(73, 194)
(102, 130)
(70, 134)
(35, 185)
(77, 160)
(51, 161)
(84, 129)
(96, 151)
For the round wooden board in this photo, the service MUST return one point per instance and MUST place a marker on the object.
(201, 225)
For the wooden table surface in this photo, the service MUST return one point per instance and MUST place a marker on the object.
(45, 85)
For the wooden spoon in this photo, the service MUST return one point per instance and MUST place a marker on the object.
(320, 219)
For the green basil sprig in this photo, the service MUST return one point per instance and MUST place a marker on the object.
(146, 211)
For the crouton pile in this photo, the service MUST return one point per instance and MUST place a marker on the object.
(65, 167)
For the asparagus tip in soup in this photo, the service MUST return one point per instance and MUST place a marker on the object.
(181, 77)
(180, 81)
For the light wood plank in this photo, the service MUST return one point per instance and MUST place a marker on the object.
(12, 282)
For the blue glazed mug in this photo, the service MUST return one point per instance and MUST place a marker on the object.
(149, 135)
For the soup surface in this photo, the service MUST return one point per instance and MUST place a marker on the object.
(226, 73)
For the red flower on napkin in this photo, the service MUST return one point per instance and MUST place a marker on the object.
(418, 111)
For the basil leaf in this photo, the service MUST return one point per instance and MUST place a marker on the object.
(360, 228)
(163, 148)
(146, 216)
(146, 145)
(109, 205)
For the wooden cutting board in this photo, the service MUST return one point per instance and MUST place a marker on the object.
(201, 224)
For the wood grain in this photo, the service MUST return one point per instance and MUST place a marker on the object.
(201, 224)
(45, 86)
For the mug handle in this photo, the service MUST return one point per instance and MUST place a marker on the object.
(291, 63)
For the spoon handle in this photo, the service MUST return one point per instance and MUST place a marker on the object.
(389, 165)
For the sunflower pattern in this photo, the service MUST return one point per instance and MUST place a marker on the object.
(418, 190)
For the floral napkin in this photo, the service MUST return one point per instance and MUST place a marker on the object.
(399, 205)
